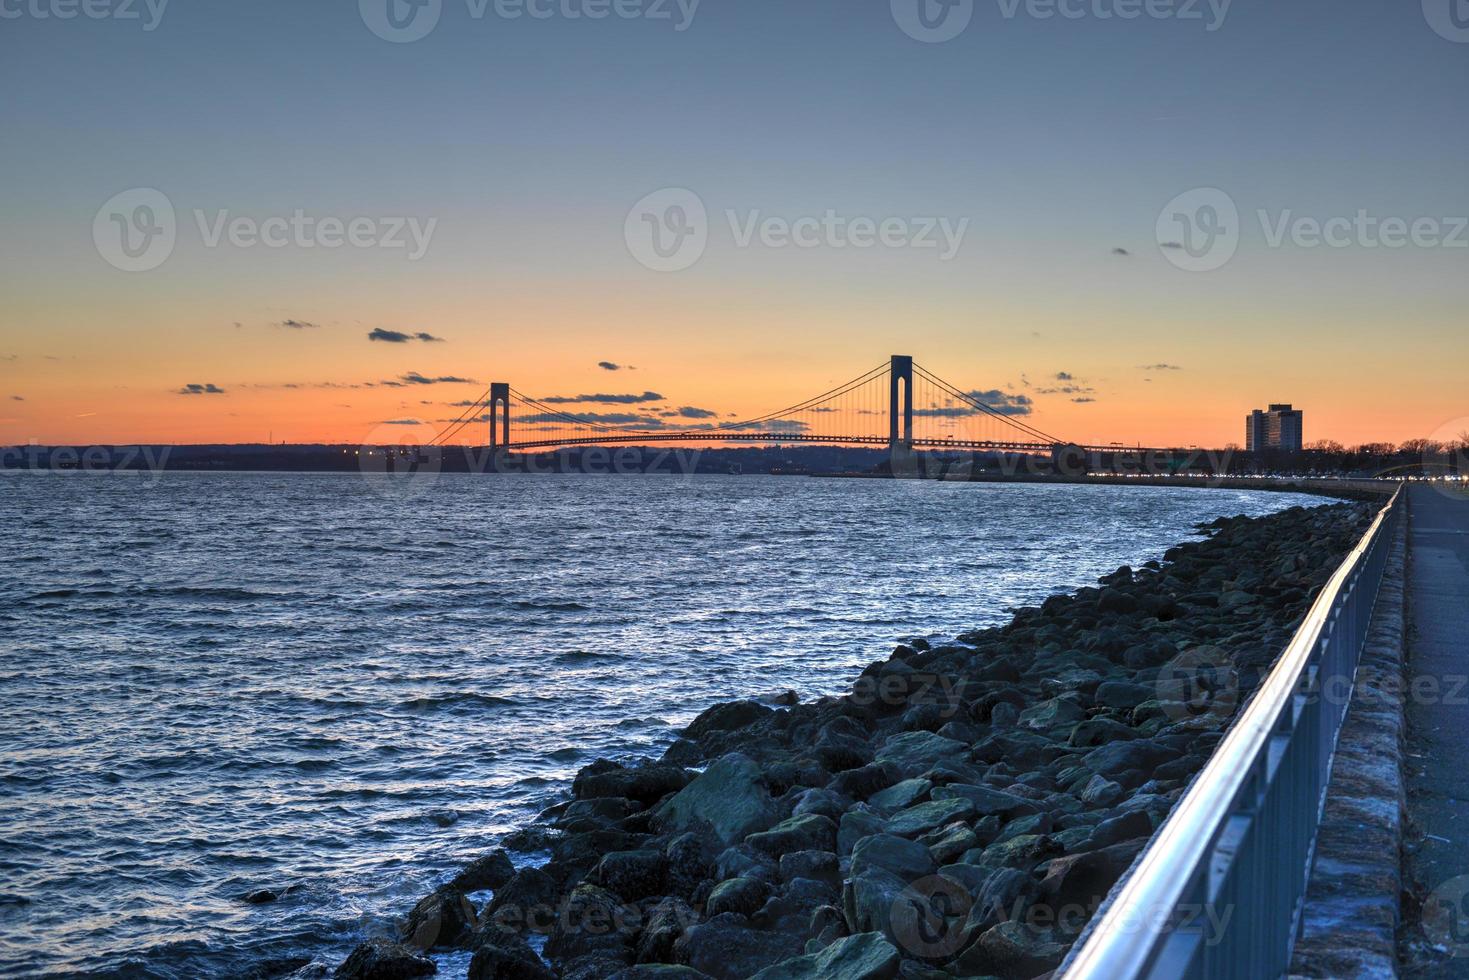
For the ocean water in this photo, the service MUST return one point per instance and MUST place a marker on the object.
(344, 687)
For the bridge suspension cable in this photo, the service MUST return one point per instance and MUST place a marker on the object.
(989, 409)
(896, 402)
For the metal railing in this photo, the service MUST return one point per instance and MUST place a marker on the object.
(1218, 891)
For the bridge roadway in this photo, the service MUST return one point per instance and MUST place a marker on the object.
(638, 438)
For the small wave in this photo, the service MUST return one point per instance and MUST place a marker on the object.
(456, 700)
(577, 657)
(195, 592)
(550, 606)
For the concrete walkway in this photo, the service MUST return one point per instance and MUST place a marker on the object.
(1438, 723)
(1349, 923)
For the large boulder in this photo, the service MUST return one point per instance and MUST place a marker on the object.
(631, 874)
(646, 784)
(666, 921)
(907, 859)
(727, 717)
(866, 956)
(501, 955)
(924, 817)
(913, 753)
(592, 924)
(987, 800)
(527, 901)
(1117, 757)
(1083, 880)
(380, 959)
(900, 795)
(492, 870)
(809, 832)
(856, 824)
(726, 948)
(868, 900)
(441, 920)
(730, 799)
(743, 896)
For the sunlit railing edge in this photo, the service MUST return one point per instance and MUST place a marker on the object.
(1139, 931)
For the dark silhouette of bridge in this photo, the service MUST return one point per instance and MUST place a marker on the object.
(898, 404)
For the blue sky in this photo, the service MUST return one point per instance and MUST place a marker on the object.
(1058, 138)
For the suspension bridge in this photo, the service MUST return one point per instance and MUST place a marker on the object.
(898, 404)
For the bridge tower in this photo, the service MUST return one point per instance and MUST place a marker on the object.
(900, 403)
(499, 414)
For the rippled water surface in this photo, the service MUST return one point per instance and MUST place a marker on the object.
(216, 683)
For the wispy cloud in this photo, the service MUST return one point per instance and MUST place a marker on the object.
(1160, 367)
(603, 418)
(298, 325)
(414, 378)
(1000, 402)
(1119, 250)
(614, 366)
(16, 398)
(604, 399)
(399, 337)
(201, 389)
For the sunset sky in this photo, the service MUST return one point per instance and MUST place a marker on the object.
(525, 142)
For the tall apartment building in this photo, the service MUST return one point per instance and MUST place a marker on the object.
(1278, 427)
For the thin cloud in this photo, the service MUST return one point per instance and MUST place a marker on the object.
(1083, 401)
(298, 325)
(690, 412)
(16, 398)
(1160, 367)
(1172, 245)
(604, 399)
(997, 401)
(201, 389)
(400, 422)
(399, 337)
(1119, 250)
(614, 366)
(1004, 402)
(414, 378)
(1065, 376)
(604, 418)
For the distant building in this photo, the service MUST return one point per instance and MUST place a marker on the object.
(1278, 427)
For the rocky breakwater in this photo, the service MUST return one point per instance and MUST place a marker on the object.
(962, 812)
